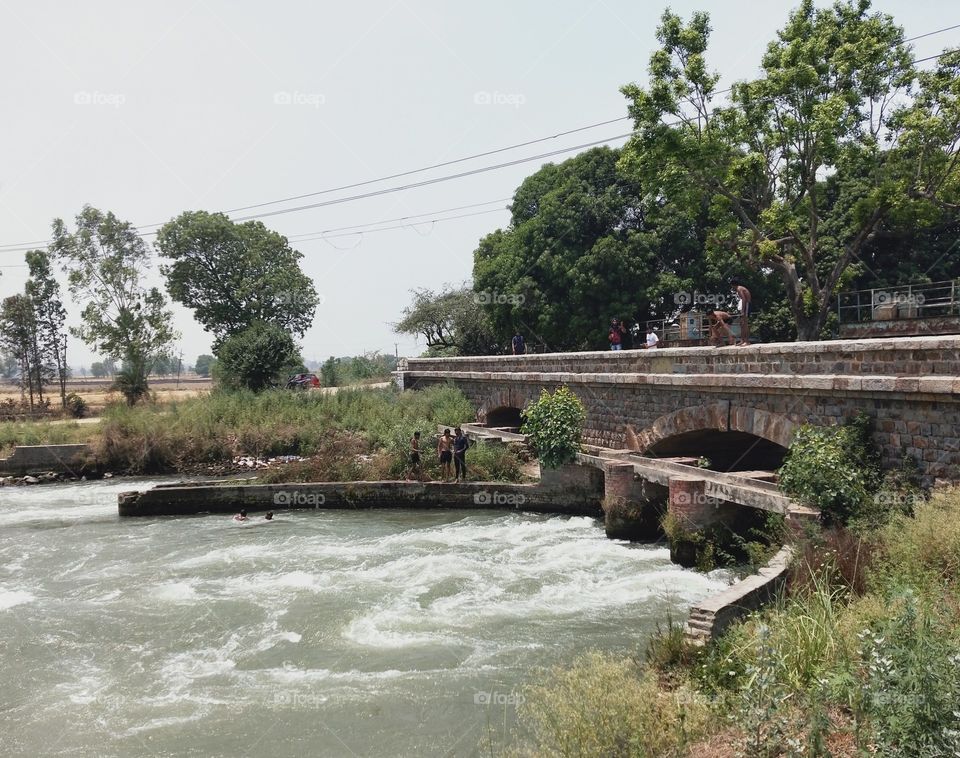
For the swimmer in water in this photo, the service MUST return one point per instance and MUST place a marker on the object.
(269, 516)
(242, 516)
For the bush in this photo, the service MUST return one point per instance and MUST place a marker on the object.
(256, 358)
(910, 689)
(76, 405)
(832, 468)
(554, 424)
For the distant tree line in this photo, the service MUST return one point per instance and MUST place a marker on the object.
(243, 283)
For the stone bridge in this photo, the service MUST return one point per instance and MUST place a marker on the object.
(738, 406)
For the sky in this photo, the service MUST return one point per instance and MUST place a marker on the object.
(152, 109)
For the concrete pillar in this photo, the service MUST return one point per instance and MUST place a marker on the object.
(692, 512)
(629, 513)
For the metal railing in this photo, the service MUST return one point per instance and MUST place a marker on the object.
(685, 328)
(905, 302)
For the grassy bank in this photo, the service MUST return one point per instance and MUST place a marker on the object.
(860, 657)
(353, 434)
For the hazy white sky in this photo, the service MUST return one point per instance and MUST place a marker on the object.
(150, 109)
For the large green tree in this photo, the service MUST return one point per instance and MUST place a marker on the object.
(584, 245)
(233, 275)
(838, 135)
(105, 259)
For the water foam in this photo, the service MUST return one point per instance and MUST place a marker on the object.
(12, 598)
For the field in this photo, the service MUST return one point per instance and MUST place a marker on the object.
(97, 392)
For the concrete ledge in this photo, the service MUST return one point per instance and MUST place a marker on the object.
(711, 617)
(29, 459)
(191, 499)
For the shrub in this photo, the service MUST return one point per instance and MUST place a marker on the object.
(911, 692)
(831, 468)
(256, 357)
(554, 424)
(76, 405)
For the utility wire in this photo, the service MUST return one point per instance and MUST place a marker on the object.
(23, 246)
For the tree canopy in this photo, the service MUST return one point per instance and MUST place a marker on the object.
(104, 259)
(233, 275)
(839, 136)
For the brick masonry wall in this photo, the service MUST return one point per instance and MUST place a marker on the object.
(910, 387)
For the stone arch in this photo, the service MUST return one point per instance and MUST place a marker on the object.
(502, 408)
(720, 417)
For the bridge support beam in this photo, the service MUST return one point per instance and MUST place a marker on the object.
(692, 512)
(630, 505)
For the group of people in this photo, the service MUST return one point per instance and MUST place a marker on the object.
(451, 452)
(242, 516)
(718, 322)
(620, 336)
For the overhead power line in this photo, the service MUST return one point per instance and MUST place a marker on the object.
(23, 246)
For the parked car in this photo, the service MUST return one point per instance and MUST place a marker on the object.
(302, 382)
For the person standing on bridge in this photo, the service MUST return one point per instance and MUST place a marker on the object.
(615, 336)
(460, 445)
(652, 338)
(518, 344)
(745, 298)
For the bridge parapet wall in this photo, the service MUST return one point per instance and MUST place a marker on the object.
(902, 357)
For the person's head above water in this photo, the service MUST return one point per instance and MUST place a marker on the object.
(243, 512)
(269, 516)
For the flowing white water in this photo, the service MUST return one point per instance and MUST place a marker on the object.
(378, 633)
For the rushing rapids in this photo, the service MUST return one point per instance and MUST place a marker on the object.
(323, 633)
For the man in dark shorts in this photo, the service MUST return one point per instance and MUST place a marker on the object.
(720, 325)
(415, 470)
(445, 454)
(460, 445)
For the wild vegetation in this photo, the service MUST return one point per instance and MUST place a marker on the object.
(352, 434)
(858, 658)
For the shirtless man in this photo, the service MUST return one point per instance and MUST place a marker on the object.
(744, 294)
(720, 325)
(445, 454)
